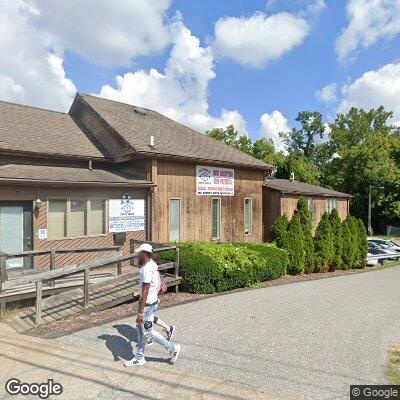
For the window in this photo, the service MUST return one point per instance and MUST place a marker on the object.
(330, 204)
(76, 217)
(174, 219)
(216, 218)
(248, 216)
(310, 203)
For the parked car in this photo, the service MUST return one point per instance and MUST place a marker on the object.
(387, 244)
(392, 255)
(372, 253)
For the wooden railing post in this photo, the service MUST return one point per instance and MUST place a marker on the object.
(177, 260)
(2, 308)
(86, 288)
(52, 265)
(3, 272)
(38, 316)
(119, 268)
(132, 251)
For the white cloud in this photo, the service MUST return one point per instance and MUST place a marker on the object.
(31, 71)
(107, 32)
(373, 89)
(273, 124)
(258, 39)
(369, 21)
(180, 91)
(327, 94)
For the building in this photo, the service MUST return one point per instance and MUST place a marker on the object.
(281, 196)
(74, 180)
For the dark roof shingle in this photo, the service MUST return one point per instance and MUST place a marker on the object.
(171, 137)
(286, 186)
(35, 130)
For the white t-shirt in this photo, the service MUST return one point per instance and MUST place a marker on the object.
(149, 274)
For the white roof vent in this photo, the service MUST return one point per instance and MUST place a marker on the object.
(152, 143)
(291, 176)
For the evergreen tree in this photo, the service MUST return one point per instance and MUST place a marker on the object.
(336, 224)
(363, 242)
(353, 225)
(305, 216)
(294, 244)
(279, 230)
(323, 244)
(349, 252)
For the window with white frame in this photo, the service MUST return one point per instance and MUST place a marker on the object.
(310, 203)
(330, 204)
(76, 217)
(248, 216)
(216, 218)
(174, 220)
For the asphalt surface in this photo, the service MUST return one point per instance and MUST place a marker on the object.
(311, 339)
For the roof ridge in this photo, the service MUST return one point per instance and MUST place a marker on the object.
(33, 107)
(179, 123)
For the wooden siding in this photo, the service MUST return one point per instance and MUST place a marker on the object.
(178, 180)
(276, 205)
(40, 221)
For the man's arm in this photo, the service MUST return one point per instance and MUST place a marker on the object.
(142, 303)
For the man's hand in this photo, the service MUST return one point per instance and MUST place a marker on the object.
(139, 319)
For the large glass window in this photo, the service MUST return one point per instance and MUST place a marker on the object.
(330, 204)
(174, 220)
(248, 216)
(216, 218)
(76, 217)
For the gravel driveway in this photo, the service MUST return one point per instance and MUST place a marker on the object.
(310, 339)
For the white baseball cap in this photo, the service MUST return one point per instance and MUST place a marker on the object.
(144, 247)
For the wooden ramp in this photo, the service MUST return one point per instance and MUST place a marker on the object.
(109, 293)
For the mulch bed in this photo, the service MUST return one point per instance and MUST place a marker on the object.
(84, 321)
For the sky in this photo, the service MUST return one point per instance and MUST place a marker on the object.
(254, 64)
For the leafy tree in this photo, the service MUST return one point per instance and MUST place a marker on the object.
(279, 230)
(294, 244)
(304, 170)
(363, 242)
(306, 218)
(303, 140)
(231, 137)
(349, 250)
(323, 244)
(264, 150)
(336, 224)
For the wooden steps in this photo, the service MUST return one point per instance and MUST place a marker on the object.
(102, 295)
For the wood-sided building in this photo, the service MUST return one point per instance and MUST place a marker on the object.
(281, 196)
(62, 175)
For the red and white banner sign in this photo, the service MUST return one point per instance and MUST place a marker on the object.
(215, 181)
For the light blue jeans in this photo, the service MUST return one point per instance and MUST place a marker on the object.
(144, 334)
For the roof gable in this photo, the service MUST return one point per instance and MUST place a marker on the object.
(172, 139)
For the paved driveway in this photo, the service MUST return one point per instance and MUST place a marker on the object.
(311, 339)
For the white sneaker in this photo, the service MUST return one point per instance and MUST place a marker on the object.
(133, 362)
(175, 354)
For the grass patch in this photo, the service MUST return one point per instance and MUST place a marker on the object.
(393, 370)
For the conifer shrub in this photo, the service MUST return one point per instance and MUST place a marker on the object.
(337, 236)
(353, 225)
(349, 251)
(294, 245)
(323, 244)
(279, 230)
(306, 218)
(363, 242)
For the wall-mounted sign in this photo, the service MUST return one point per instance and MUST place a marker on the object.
(125, 215)
(42, 234)
(215, 181)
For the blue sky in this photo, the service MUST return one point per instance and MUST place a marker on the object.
(301, 58)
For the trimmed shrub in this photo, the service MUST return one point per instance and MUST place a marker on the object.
(279, 230)
(362, 242)
(337, 237)
(294, 244)
(349, 251)
(353, 225)
(305, 216)
(323, 244)
(210, 267)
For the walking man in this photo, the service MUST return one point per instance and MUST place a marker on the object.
(147, 308)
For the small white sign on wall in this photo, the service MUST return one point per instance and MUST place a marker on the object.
(42, 234)
(215, 181)
(125, 215)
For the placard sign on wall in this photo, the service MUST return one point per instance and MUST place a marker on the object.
(125, 215)
(215, 181)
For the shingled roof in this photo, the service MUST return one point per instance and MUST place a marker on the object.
(172, 139)
(34, 130)
(288, 187)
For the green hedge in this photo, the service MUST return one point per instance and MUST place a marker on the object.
(210, 267)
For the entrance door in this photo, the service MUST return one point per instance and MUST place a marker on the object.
(16, 231)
